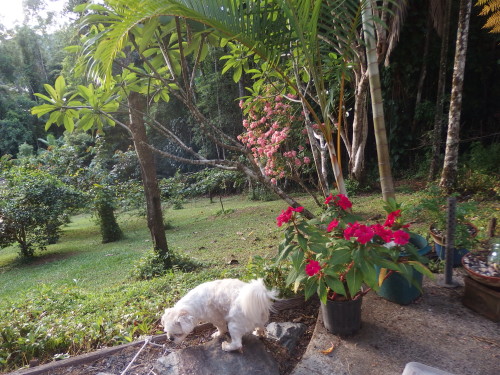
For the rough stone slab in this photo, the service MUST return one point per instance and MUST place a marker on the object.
(210, 359)
(286, 333)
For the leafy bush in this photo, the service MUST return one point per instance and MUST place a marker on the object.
(479, 172)
(103, 200)
(273, 273)
(33, 207)
(153, 265)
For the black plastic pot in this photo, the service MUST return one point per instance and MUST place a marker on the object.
(342, 317)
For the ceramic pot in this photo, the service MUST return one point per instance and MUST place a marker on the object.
(342, 317)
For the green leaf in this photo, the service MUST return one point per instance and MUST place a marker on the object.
(60, 86)
(341, 256)
(147, 34)
(421, 268)
(335, 284)
(73, 49)
(237, 73)
(69, 124)
(309, 287)
(285, 252)
(42, 109)
(302, 241)
(354, 281)
(369, 274)
(322, 291)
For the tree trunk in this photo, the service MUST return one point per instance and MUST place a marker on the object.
(359, 127)
(438, 116)
(384, 164)
(450, 167)
(137, 105)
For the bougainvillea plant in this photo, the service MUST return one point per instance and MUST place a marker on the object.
(339, 257)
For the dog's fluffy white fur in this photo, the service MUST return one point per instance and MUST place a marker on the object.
(230, 305)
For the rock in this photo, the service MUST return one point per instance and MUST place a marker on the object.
(285, 333)
(210, 359)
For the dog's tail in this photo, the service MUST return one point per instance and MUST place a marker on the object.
(256, 300)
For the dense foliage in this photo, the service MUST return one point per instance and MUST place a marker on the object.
(33, 207)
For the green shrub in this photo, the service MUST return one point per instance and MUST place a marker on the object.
(152, 265)
(273, 273)
(33, 207)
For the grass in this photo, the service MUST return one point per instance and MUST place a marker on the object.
(78, 295)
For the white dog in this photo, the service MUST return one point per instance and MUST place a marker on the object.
(229, 304)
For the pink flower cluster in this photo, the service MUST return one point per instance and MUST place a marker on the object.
(287, 215)
(365, 233)
(267, 129)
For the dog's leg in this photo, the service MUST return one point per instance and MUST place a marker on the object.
(221, 329)
(236, 334)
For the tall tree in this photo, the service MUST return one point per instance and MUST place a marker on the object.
(442, 20)
(384, 162)
(450, 166)
(137, 105)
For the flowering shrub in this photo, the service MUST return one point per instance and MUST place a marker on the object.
(336, 254)
(273, 132)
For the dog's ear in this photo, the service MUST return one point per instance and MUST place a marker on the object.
(186, 321)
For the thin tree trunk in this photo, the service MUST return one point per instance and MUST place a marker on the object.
(137, 106)
(384, 164)
(450, 167)
(440, 98)
(359, 127)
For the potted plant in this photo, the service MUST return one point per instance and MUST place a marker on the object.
(336, 256)
(434, 207)
(396, 288)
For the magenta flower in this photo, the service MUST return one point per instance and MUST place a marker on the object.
(350, 230)
(287, 215)
(312, 267)
(384, 234)
(333, 224)
(364, 234)
(401, 237)
(391, 218)
(328, 199)
(284, 217)
(342, 201)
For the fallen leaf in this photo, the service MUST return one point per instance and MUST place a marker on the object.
(329, 350)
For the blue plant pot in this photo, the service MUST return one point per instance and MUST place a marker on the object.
(457, 254)
(399, 290)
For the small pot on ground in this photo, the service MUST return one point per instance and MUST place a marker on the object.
(342, 317)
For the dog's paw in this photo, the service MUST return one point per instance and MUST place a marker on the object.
(227, 347)
(259, 332)
(217, 334)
